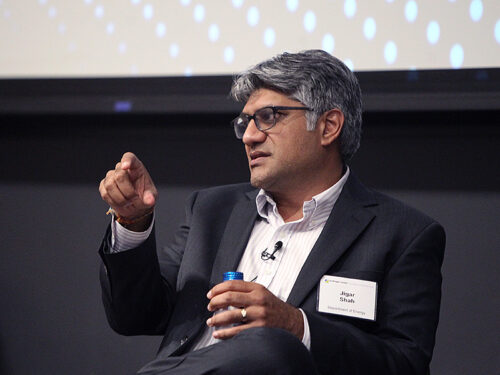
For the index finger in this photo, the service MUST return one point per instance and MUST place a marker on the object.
(130, 161)
(231, 285)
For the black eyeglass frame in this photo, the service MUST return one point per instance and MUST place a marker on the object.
(245, 117)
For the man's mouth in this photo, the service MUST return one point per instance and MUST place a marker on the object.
(256, 157)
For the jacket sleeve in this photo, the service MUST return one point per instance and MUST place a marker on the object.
(138, 291)
(407, 317)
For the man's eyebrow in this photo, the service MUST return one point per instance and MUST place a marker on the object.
(264, 106)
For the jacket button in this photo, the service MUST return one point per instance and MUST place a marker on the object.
(184, 339)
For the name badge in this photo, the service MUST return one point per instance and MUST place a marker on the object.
(349, 297)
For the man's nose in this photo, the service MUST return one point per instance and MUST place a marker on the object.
(252, 134)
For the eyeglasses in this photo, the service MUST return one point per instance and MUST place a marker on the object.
(264, 118)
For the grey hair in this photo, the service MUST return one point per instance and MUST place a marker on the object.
(317, 80)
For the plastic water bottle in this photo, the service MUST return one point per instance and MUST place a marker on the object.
(232, 275)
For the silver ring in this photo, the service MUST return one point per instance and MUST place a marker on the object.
(243, 314)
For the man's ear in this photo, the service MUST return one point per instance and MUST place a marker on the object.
(332, 123)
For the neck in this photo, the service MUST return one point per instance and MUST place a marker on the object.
(290, 203)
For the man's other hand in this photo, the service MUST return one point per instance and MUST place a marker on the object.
(263, 309)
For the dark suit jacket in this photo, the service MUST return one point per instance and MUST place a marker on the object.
(367, 236)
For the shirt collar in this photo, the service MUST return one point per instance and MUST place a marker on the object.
(316, 211)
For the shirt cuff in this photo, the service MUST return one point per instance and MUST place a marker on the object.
(123, 239)
(306, 339)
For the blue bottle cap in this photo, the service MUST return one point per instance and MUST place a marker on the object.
(233, 275)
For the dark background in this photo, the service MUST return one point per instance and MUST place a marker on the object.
(434, 145)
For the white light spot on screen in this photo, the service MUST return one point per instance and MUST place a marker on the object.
(350, 8)
(476, 10)
(161, 29)
(41, 2)
(228, 55)
(135, 2)
(213, 32)
(199, 13)
(328, 43)
(237, 3)
(497, 31)
(148, 11)
(72, 47)
(174, 50)
(110, 28)
(349, 64)
(61, 28)
(389, 1)
(134, 70)
(433, 32)
(6, 13)
(390, 52)
(188, 72)
(122, 47)
(369, 28)
(456, 56)
(52, 12)
(99, 11)
(253, 16)
(269, 37)
(411, 11)
(86, 1)
(292, 5)
(309, 21)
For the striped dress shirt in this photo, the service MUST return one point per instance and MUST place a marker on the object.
(278, 275)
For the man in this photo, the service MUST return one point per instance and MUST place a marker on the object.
(304, 221)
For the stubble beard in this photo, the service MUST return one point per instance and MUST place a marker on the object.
(261, 179)
(257, 181)
(269, 180)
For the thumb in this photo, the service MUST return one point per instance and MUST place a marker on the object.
(148, 198)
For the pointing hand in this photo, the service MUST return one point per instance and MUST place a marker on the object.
(129, 189)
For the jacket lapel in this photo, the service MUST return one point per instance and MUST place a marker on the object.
(235, 237)
(348, 219)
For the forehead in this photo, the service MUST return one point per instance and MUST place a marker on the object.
(265, 97)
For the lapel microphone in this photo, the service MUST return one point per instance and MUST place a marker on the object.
(265, 255)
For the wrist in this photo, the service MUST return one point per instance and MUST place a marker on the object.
(140, 225)
(137, 224)
(297, 323)
(300, 324)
